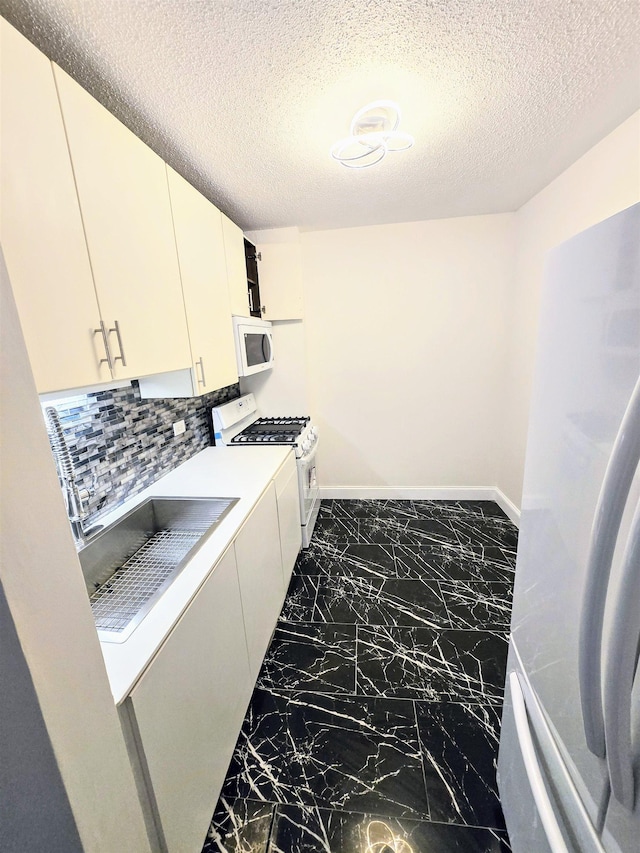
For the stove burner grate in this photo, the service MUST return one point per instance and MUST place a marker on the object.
(272, 431)
(265, 438)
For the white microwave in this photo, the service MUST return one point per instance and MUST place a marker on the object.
(254, 345)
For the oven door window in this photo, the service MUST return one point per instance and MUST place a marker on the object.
(258, 349)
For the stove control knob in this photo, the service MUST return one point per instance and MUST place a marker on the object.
(314, 432)
(306, 444)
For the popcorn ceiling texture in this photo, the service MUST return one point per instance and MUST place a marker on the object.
(245, 97)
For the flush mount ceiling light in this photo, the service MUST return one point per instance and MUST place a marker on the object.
(374, 132)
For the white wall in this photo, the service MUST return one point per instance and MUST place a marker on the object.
(405, 335)
(602, 182)
(48, 602)
(437, 320)
(283, 390)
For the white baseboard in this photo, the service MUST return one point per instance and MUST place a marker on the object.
(507, 506)
(386, 493)
(483, 493)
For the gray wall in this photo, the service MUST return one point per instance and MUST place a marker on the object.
(55, 693)
(34, 809)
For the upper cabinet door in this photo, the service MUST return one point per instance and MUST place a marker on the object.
(203, 269)
(41, 227)
(124, 200)
(280, 272)
(236, 267)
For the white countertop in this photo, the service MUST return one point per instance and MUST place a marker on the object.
(225, 472)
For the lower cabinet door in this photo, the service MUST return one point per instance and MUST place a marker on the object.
(257, 547)
(287, 494)
(189, 706)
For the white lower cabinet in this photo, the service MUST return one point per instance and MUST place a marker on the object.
(182, 719)
(259, 560)
(287, 496)
(188, 708)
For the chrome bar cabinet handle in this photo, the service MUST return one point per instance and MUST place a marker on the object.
(121, 357)
(105, 337)
(202, 381)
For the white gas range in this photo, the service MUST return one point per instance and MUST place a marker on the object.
(238, 424)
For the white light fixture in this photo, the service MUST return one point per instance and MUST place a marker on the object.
(374, 132)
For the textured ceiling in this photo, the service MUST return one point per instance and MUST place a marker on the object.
(245, 97)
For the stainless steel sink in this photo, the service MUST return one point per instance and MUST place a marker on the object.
(130, 564)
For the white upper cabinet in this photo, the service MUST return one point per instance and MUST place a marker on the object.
(124, 201)
(280, 277)
(198, 229)
(41, 226)
(279, 272)
(203, 271)
(236, 267)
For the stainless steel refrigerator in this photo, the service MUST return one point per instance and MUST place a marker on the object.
(569, 762)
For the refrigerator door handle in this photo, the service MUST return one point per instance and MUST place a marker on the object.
(532, 767)
(604, 533)
(619, 671)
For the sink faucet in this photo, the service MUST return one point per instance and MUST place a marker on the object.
(74, 497)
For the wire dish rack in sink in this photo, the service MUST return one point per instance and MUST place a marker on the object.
(130, 564)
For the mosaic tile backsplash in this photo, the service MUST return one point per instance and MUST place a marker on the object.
(120, 444)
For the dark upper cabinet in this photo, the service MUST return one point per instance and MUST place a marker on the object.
(253, 284)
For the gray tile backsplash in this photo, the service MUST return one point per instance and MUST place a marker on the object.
(120, 444)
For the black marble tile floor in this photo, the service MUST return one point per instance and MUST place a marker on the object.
(375, 720)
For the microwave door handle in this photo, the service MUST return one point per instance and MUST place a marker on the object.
(266, 348)
(604, 533)
(620, 670)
